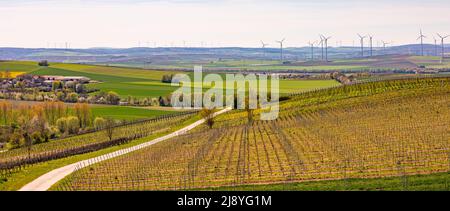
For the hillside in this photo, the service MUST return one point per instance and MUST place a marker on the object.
(371, 130)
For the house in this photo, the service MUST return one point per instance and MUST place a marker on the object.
(51, 78)
(78, 79)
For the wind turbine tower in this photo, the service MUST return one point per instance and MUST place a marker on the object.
(371, 45)
(442, 46)
(281, 49)
(435, 46)
(322, 42)
(325, 40)
(311, 44)
(362, 44)
(421, 36)
(264, 45)
(384, 46)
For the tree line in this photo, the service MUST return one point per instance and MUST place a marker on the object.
(25, 124)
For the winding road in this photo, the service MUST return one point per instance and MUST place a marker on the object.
(47, 180)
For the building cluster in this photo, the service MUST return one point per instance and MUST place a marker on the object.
(43, 83)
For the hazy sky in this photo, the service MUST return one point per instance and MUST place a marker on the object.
(125, 23)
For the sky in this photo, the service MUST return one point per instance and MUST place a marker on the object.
(216, 23)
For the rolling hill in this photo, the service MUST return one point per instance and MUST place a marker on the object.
(372, 130)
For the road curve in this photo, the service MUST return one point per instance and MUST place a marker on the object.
(47, 180)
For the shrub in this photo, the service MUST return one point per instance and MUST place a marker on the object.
(72, 97)
(167, 78)
(99, 123)
(44, 63)
(15, 141)
(61, 124)
(112, 98)
(37, 138)
(80, 88)
(73, 124)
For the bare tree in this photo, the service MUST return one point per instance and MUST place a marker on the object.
(208, 115)
(249, 111)
(109, 128)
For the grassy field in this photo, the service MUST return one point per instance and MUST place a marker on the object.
(375, 130)
(432, 182)
(14, 66)
(138, 83)
(116, 80)
(290, 86)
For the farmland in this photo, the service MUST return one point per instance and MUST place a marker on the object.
(138, 83)
(89, 142)
(12, 74)
(432, 182)
(119, 80)
(128, 113)
(373, 130)
(376, 63)
(326, 135)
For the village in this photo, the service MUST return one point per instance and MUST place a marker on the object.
(43, 83)
(69, 89)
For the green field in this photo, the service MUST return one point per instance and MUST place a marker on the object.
(121, 81)
(432, 182)
(19, 66)
(260, 65)
(138, 83)
(402, 62)
(289, 86)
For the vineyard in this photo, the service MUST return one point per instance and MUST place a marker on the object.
(18, 158)
(373, 130)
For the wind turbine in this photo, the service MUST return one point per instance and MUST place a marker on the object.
(384, 45)
(264, 45)
(435, 46)
(442, 46)
(325, 40)
(281, 48)
(421, 41)
(311, 44)
(322, 41)
(362, 44)
(371, 44)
